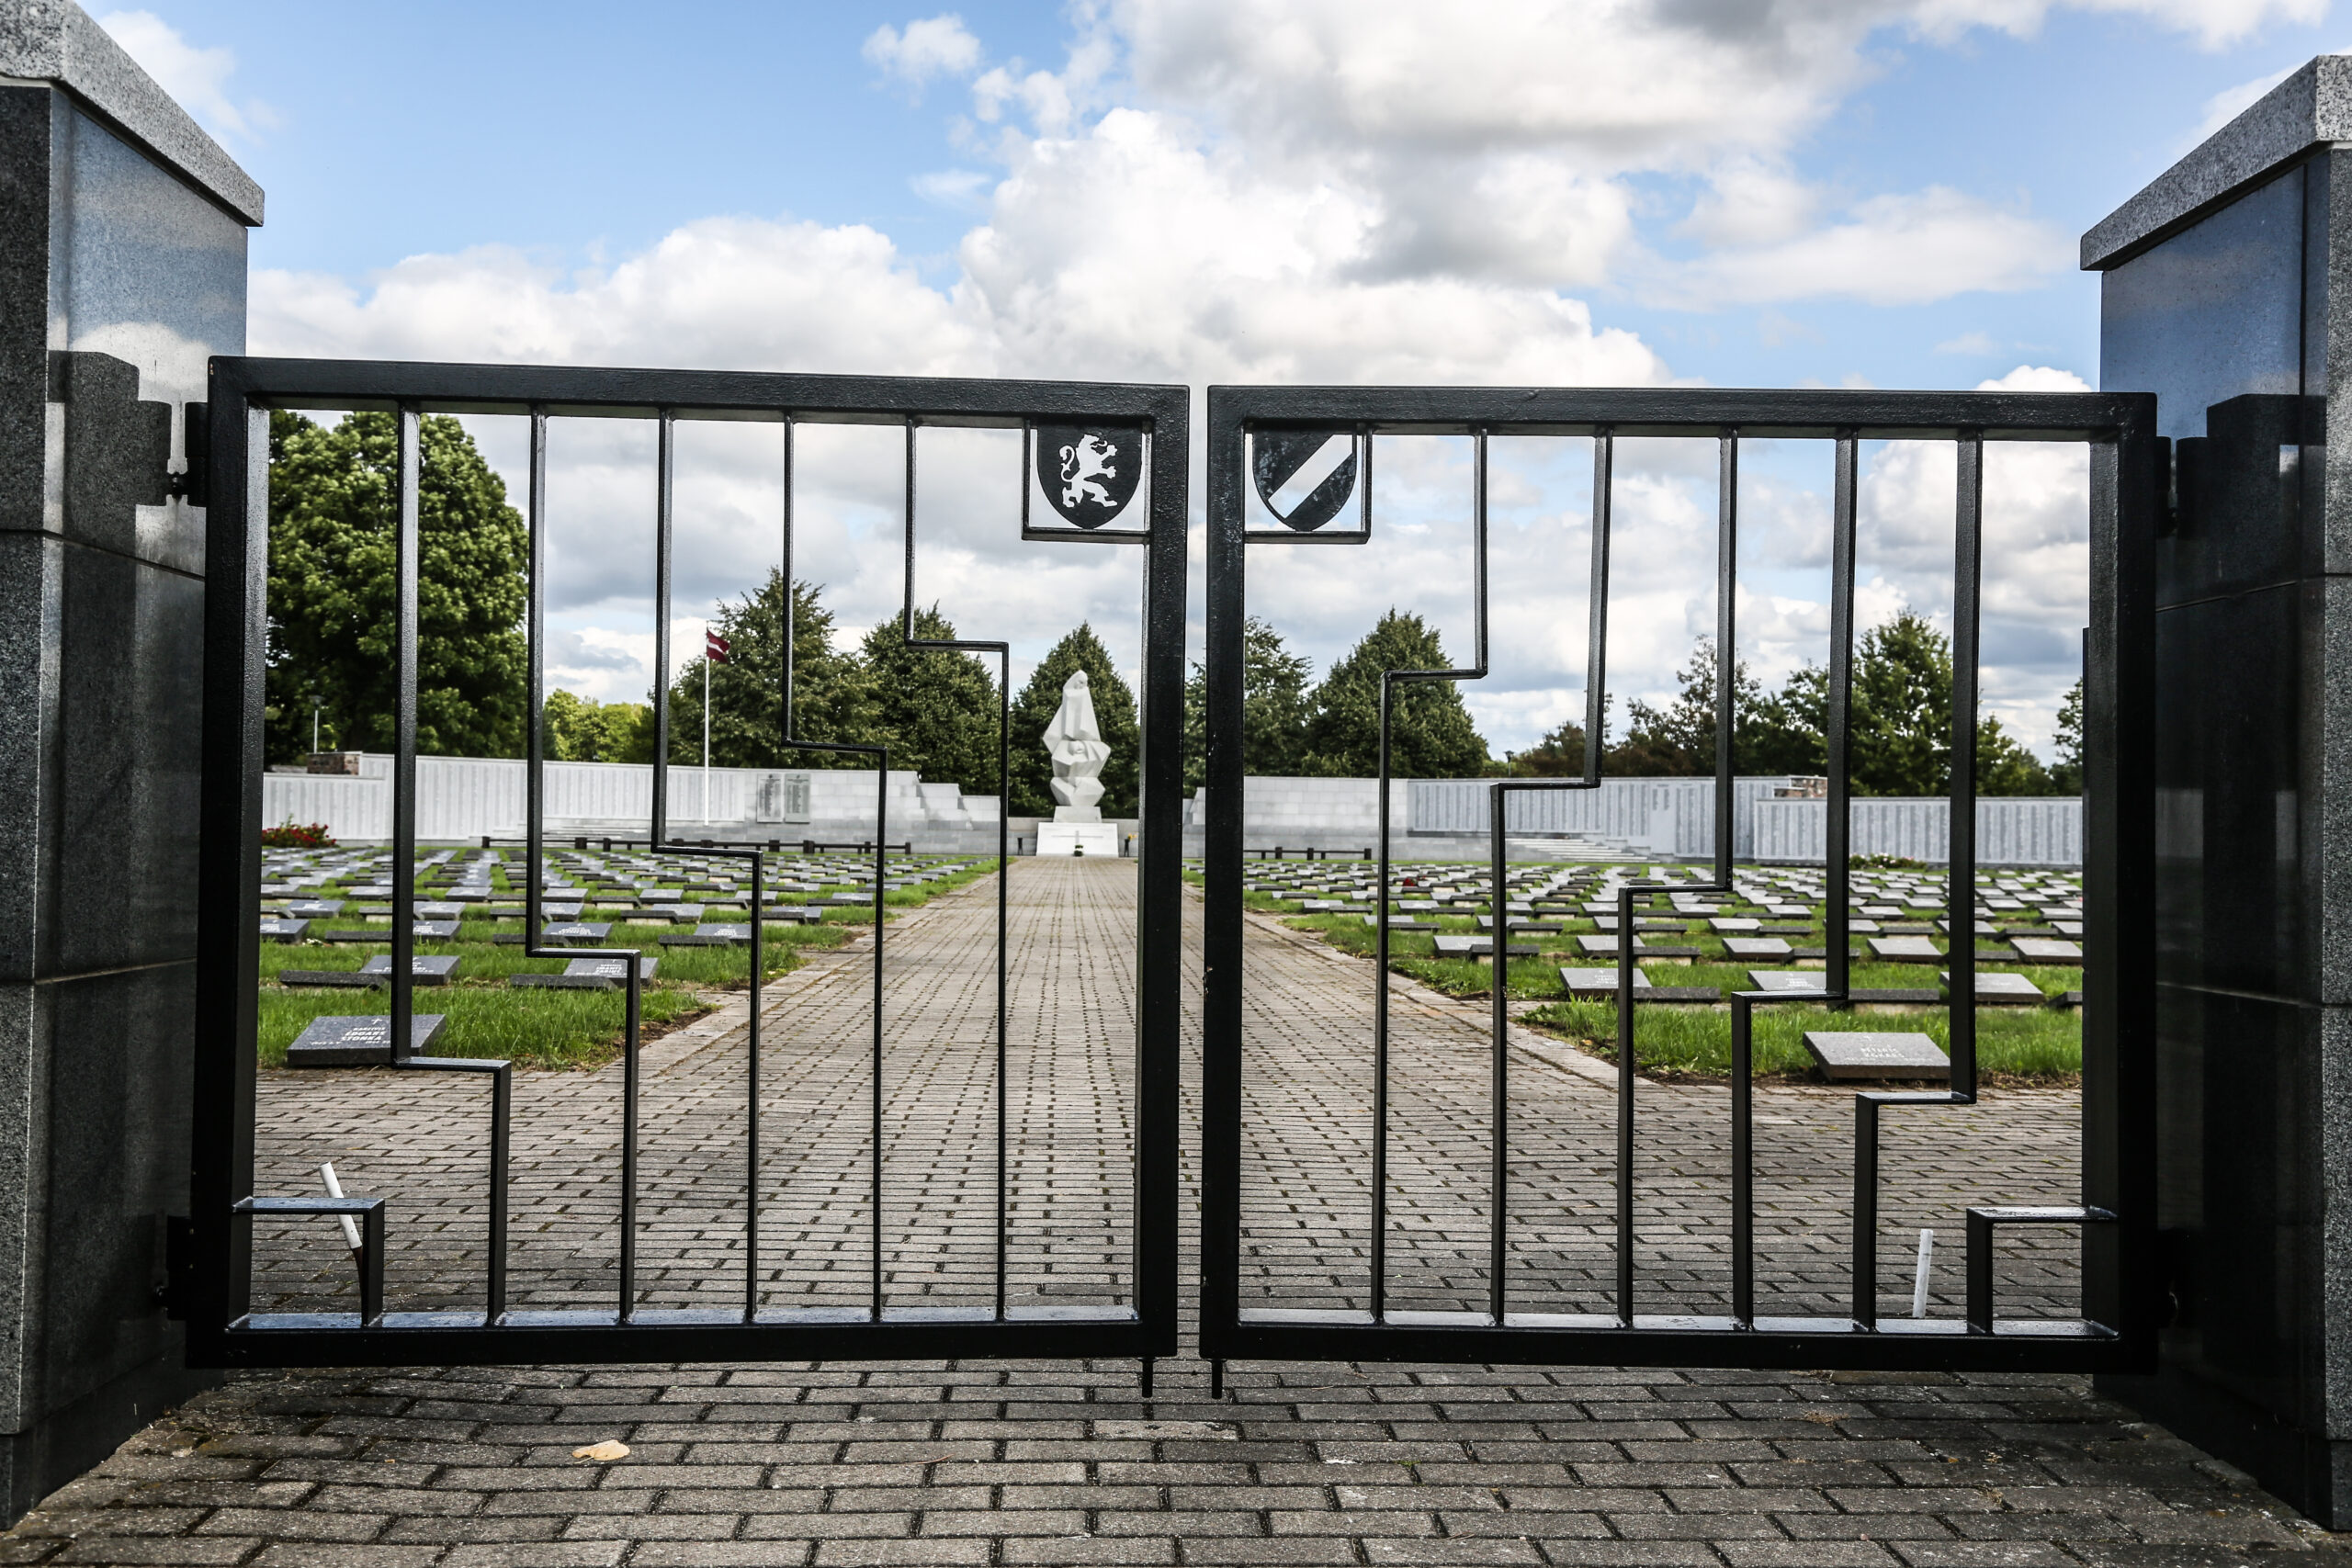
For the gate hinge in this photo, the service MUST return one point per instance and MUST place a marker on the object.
(179, 1263)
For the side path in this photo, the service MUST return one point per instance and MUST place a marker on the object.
(1059, 1463)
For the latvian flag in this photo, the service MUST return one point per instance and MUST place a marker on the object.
(714, 646)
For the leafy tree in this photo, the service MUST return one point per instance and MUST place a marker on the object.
(1679, 741)
(1114, 710)
(936, 709)
(1274, 708)
(332, 557)
(2067, 777)
(1901, 719)
(833, 697)
(1559, 754)
(1788, 731)
(581, 730)
(1429, 733)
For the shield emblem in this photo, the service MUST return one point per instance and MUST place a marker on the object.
(1089, 472)
(1304, 476)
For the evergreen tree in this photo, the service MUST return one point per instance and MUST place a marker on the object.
(832, 696)
(1558, 755)
(331, 559)
(1900, 719)
(936, 709)
(579, 730)
(1274, 708)
(1429, 733)
(1114, 710)
(2067, 777)
(1788, 731)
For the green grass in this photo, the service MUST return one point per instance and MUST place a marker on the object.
(2019, 1042)
(2032, 1044)
(487, 1017)
(539, 1028)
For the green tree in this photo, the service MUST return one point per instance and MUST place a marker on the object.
(1114, 710)
(578, 730)
(935, 709)
(332, 590)
(1788, 730)
(1678, 739)
(832, 696)
(1559, 754)
(1274, 708)
(1429, 732)
(1900, 718)
(2067, 775)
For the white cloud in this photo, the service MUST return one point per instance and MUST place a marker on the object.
(924, 50)
(1890, 250)
(198, 78)
(2214, 24)
(1976, 344)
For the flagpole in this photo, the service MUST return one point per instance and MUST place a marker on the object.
(706, 730)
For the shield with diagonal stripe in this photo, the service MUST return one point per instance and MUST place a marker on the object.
(1304, 476)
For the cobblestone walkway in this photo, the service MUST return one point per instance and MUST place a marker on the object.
(1056, 1463)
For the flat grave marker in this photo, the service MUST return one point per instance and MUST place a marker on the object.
(1877, 1056)
(360, 1041)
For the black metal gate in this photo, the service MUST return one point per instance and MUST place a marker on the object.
(1267, 435)
(1146, 423)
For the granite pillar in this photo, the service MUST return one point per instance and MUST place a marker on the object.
(122, 268)
(2226, 290)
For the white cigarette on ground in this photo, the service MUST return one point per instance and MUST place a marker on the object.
(1919, 1279)
(334, 1190)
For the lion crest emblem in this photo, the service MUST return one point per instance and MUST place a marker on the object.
(1087, 472)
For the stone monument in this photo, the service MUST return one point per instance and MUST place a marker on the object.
(1074, 742)
(2223, 289)
(122, 268)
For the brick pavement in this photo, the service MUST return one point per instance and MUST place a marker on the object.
(1055, 1462)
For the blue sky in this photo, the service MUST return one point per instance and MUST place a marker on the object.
(1838, 191)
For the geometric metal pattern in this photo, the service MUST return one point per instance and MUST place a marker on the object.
(1135, 424)
(1255, 439)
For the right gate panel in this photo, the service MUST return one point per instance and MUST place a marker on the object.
(1797, 1016)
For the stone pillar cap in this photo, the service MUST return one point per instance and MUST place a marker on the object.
(56, 42)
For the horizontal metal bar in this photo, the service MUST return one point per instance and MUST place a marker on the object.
(1683, 412)
(588, 392)
(331, 1339)
(1591, 1339)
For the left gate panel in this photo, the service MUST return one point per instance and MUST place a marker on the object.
(743, 1019)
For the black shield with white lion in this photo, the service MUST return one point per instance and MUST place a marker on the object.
(1089, 472)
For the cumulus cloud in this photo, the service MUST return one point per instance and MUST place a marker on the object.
(923, 52)
(1889, 250)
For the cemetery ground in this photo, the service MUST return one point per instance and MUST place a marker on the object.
(1693, 949)
(325, 920)
(1055, 1462)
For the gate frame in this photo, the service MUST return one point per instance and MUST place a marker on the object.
(214, 1283)
(2121, 1292)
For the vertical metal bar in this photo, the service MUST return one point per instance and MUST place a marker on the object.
(1865, 1283)
(501, 1123)
(1835, 733)
(752, 1063)
(1967, 548)
(1743, 1162)
(1223, 974)
(632, 1018)
(1003, 885)
(404, 657)
(371, 1267)
(664, 472)
(1380, 1028)
(1595, 657)
(881, 829)
(1980, 1272)
(535, 654)
(1726, 642)
(1498, 1053)
(791, 596)
(1625, 1105)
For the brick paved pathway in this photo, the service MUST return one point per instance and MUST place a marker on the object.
(1052, 1462)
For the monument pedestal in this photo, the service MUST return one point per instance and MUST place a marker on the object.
(1078, 838)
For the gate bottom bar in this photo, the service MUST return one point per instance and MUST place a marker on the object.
(441, 1338)
(1601, 1340)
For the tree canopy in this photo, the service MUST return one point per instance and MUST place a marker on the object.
(1115, 711)
(1275, 708)
(1429, 732)
(936, 709)
(330, 640)
(831, 692)
(581, 730)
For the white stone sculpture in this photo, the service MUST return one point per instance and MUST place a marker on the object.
(1074, 742)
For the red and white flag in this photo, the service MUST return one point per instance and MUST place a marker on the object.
(714, 646)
